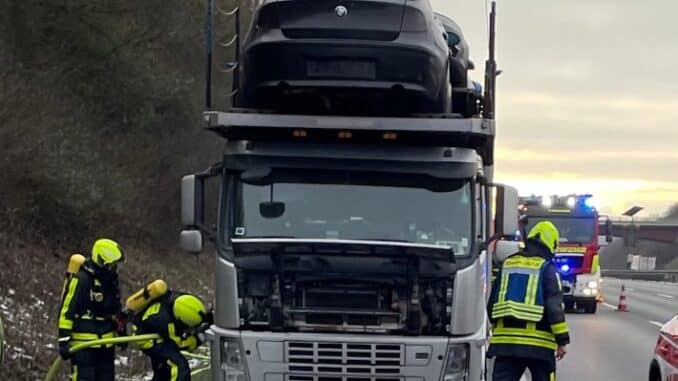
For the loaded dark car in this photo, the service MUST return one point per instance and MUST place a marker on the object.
(346, 57)
(465, 95)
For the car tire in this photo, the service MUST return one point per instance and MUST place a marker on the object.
(591, 307)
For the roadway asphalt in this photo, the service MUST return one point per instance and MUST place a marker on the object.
(618, 346)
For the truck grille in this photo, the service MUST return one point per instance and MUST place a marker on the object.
(317, 361)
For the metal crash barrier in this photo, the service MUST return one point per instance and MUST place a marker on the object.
(657, 275)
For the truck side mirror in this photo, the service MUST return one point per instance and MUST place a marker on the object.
(506, 221)
(193, 210)
(504, 249)
(191, 200)
(191, 241)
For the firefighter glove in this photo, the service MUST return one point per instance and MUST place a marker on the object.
(64, 349)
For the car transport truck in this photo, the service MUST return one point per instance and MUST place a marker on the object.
(350, 248)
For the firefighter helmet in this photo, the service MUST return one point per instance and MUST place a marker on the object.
(546, 233)
(189, 310)
(106, 252)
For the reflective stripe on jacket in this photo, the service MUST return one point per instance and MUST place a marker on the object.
(526, 307)
(520, 292)
(89, 305)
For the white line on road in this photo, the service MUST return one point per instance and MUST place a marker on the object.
(658, 324)
(628, 289)
(610, 306)
(666, 296)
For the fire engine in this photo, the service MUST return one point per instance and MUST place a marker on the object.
(576, 257)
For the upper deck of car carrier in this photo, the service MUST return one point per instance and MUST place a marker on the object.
(425, 130)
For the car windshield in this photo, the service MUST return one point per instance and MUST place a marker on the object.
(571, 229)
(354, 210)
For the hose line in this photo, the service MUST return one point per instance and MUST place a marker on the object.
(78, 347)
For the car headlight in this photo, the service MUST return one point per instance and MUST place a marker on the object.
(588, 292)
(232, 361)
(592, 284)
(456, 367)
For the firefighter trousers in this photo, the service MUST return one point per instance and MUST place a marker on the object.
(168, 364)
(512, 369)
(95, 364)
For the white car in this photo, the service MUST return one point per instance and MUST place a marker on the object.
(664, 366)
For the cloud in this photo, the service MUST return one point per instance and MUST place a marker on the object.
(613, 196)
(587, 98)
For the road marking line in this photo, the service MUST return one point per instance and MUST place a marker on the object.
(666, 296)
(628, 289)
(658, 324)
(610, 306)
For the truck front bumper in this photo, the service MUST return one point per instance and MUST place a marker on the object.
(272, 356)
(584, 286)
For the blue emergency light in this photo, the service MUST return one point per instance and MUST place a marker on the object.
(563, 265)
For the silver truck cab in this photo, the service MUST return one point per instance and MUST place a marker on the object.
(350, 248)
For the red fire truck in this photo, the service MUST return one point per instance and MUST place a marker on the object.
(576, 258)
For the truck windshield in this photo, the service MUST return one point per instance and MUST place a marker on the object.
(349, 206)
(571, 229)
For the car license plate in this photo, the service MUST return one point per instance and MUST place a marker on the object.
(341, 69)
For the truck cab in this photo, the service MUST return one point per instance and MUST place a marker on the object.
(576, 257)
(349, 247)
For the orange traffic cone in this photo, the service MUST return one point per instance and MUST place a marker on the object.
(621, 307)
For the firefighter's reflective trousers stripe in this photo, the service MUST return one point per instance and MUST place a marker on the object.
(168, 364)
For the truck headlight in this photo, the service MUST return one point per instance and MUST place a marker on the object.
(232, 361)
(592, 284)
(456, 367)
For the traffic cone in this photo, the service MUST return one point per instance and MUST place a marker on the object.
(621, 307)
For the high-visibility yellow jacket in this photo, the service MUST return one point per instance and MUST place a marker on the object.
(526, 307)
(90, 304)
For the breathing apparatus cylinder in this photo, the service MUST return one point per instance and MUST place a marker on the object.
(142, 298)
(74, 263)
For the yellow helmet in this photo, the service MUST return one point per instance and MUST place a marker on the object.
(546, 233)
(189, 310)
(106, 252)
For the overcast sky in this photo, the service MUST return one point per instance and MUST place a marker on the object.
(588, 100)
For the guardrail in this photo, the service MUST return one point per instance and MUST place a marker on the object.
(656, 275)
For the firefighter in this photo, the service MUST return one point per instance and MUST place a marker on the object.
(526, 310)
(89, 311)
(179, 319)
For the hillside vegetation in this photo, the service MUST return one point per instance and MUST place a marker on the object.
(100, 104)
